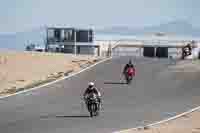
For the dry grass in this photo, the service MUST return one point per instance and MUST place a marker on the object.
(23, 70)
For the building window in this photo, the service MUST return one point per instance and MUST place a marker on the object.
(90, 36)
(50, 33)
(82, 36)
(57, 34)
(68, 35)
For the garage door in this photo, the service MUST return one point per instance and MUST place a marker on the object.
(162, 52)
(149, 51)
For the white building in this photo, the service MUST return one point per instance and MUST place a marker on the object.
(71, 40)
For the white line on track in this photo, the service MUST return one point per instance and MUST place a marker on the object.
(55, 81)
(160, 122)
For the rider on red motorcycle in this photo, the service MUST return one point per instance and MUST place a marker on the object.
(129, 69)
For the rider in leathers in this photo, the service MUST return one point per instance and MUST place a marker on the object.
(92, 89)
(129, 65)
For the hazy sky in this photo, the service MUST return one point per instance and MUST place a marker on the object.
(21, 15)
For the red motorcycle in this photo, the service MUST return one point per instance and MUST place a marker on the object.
(130, 73)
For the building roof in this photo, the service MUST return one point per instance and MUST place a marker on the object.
(68, 28)
(152, 45)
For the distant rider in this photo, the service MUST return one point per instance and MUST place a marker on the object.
(127, 66)
(92, 89)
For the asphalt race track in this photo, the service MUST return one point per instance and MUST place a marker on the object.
(152, 96)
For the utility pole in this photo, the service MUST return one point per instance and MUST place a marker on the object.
(75, 42)
(46, 42)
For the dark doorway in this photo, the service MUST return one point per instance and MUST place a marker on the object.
(149, 51)
(162, 52)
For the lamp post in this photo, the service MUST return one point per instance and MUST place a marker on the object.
(75, 42)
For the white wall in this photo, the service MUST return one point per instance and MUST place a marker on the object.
(87, 50)
(175, 53)
(126, 51)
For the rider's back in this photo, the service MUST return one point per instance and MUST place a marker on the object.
(89, 91)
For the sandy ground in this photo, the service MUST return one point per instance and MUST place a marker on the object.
(186, 124)
(189, 123)
(20, 70)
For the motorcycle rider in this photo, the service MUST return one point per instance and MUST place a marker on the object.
(127, 66)
(92, 89)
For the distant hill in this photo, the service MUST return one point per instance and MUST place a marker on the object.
(173, 28)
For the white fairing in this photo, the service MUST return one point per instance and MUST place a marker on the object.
(99, 94)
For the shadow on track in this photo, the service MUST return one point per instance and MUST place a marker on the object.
(116, 83)
(64, 116)
(73, 116)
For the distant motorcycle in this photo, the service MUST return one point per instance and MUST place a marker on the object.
(129, 75)
(93, 105)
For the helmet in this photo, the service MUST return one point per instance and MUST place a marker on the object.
(91, 84)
